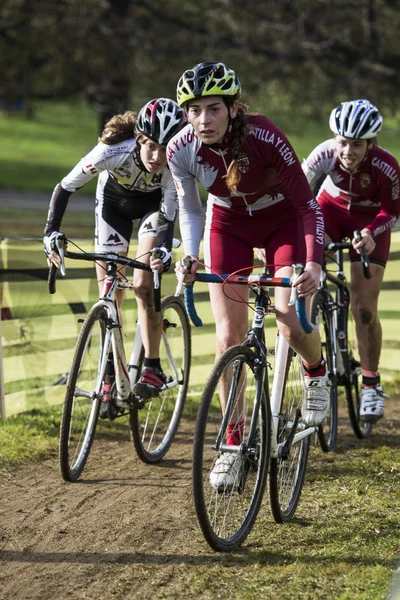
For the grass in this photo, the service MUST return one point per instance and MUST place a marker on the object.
(35, 154)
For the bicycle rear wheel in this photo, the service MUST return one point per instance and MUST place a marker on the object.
(287, 474)
(82, 403)
(320, 316)
(154, 426)
(353, 382)
(227, 511)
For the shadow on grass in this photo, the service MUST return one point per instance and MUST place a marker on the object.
(244, 556)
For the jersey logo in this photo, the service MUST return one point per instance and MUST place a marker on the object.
(148, 226)
(91, 169)
(365, 180)
(243, 163)
(114, 237)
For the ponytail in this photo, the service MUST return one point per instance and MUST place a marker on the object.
(240, 130)
(119, 128)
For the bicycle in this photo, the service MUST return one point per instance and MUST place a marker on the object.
(153, 424)
(272, 434)
(332, 314)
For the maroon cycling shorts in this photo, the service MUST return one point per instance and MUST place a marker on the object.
(232, 234)
(341, 223)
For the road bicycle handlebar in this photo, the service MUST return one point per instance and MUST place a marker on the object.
(333, 246)
(109, 257)
(261, 280)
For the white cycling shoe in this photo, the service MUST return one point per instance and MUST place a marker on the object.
(316, 401)
(225, 473)
(372, 403)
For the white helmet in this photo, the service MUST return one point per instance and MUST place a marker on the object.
(160, 119)
(356, 119)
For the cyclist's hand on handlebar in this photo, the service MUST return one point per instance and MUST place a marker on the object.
(160, 259)
(187, 267)
(50, 249)
(366, 242)
(307, 282)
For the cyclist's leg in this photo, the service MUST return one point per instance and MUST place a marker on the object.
(225, 252)
(364, 294)
(152, 379)
(112, 234)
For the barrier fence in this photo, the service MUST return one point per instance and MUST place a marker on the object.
(39, 330)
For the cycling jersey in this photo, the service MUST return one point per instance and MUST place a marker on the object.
(271, 179)
(370, 191)
(124, 189)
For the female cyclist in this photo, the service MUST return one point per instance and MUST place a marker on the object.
(134, 184)
(360, 190)
(258, 197)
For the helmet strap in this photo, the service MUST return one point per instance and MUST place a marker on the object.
(137, 157)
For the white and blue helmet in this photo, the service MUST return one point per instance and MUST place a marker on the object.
(356, 119)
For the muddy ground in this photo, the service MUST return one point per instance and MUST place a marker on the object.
(126, 530)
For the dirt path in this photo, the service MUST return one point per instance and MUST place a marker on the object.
(118, 531)
(127, 530)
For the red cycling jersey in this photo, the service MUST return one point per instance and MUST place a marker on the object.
(272, 181)
(371, 192)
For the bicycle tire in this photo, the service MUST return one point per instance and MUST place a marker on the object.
(80, 412)
(226, 516)
(154, 426)
(360, 428)
(286, 477)
(320, 316)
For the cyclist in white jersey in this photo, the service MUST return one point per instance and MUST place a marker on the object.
(134, 184)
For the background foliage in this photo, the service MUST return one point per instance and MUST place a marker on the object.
(295, 55)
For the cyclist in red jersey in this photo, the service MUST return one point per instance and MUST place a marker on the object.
(134, 185)
(360, 191)
(258, 196)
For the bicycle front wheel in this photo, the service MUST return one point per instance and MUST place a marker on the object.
(287, 472)
(353, 382)
(81, 403)
(154, 426)
(320, 316)
(227, 505)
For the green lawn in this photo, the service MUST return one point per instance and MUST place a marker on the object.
(36, 154)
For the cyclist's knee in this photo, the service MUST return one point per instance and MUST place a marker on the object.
(226, 338)
(144, 293)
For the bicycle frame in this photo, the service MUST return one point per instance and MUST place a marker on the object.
(281, 355)
(113, 339)
(255, 339)
(338, 313)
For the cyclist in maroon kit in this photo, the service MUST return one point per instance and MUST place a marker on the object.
(360, 191)
(258, 197)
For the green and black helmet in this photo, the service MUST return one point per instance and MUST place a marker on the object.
(207, 79)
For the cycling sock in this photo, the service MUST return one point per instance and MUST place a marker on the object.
(316, 370)
(234, 433)
(154, 363)
(370, 378)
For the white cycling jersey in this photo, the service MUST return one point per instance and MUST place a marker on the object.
(123, 185)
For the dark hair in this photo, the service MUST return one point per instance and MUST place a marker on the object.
(119, 128)
(240, 129)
